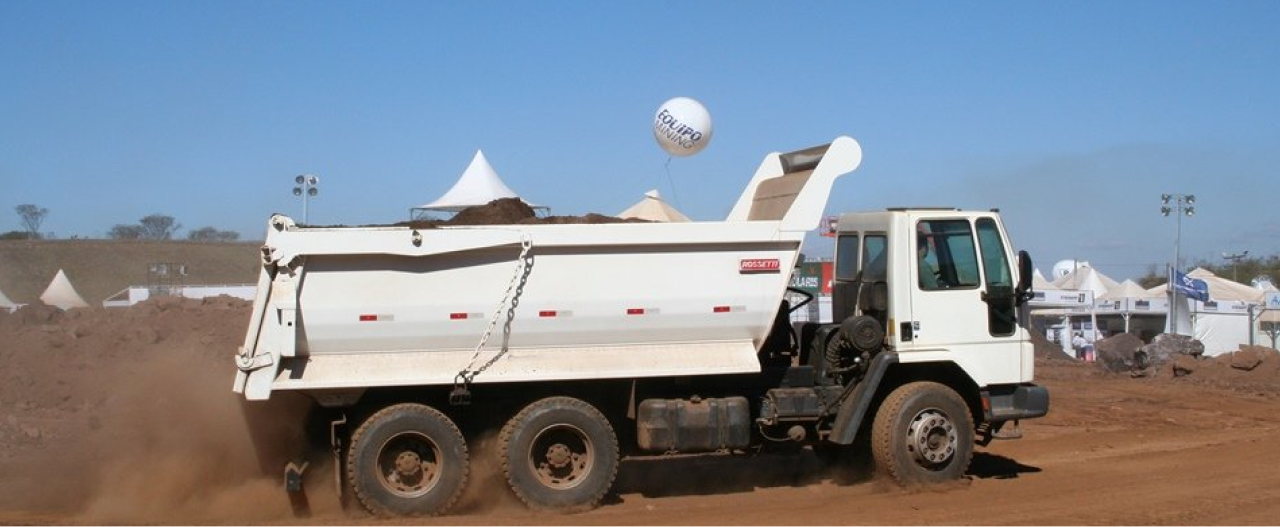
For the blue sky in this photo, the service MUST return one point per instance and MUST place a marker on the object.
(1070, 117)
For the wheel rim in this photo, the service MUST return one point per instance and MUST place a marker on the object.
(561, 456)
(409, 464)
(932, 438)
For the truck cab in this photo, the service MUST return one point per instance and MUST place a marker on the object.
(945, 284)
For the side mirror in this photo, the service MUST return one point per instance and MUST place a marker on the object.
(1024, 277)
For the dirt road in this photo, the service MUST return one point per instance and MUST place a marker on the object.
(127, 417)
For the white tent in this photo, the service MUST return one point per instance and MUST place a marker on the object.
(1226, 320)
(1039, 283)
(1085, 278)
(62, 294)
(1126, 289)
(478, 185)
(653, 208)
(6, 304)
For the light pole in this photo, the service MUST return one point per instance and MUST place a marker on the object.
(306, 189)
(1182, 204)
(1234, 259)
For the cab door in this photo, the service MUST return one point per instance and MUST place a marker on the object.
(967, 308)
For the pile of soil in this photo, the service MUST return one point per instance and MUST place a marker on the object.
(1047, 350)
(1251, 369)
(512, 211)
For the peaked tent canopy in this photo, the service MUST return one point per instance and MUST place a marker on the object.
(1040, 283)
(62, 294)
(653, 208)
(5, 303)
(1126, 289)
(1086, 278)
(478, 185)
(1220, 289)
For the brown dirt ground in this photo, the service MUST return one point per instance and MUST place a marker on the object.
(126, 416)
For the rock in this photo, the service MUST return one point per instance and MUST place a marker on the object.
(1167, 347)
(1246, 359)
(1184, 365)
(1120, 353)
(31, 431)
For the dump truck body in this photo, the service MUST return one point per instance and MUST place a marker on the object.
(352, 308)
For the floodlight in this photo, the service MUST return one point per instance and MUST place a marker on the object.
(1191, 199)
(1191, 211)
(300, 179)
(1164, 198)
(313, 191)
(313, 180)
(297, 191)
(1163, 210)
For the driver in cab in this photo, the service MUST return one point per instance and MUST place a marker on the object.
(928, 273)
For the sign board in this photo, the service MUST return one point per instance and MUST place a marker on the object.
(1062, 298)
(1273, 299)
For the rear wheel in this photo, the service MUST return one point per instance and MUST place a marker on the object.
(559, 454)
(407, 460)
(923, 434)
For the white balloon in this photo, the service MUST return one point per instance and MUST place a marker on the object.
(682, 126)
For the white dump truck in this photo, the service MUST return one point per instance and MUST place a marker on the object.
(582, 344)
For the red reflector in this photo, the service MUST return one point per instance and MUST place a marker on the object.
(720, 309)
(368, 318)
(457, 316)
(546, 313)
(635, 311)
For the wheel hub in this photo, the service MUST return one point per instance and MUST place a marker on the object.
(559, 455)
(408, 463)
(932, 438)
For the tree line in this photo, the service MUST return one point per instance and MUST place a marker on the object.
(151, 227)
(1242, 271)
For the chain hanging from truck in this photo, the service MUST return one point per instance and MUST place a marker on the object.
(461, 393)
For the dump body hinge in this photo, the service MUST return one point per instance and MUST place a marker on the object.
(247, 363)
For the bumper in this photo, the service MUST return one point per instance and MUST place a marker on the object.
(1019, 401)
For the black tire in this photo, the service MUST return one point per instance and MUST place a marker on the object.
(407, 460)
(922, 435)
(559, 454)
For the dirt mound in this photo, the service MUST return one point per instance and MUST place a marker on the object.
(499, 211)
(1044, 349)
(136, 404)
(1252, 369)
(512, 211)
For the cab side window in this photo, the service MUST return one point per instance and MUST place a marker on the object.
(946, 255)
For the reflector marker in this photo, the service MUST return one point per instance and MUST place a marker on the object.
(465, 316)
(555, 313)
(728, 309)
(642, 311)
(377, 318)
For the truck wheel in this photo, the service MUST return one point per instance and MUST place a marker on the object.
(559, 454)
(922, 434)
(407, 460)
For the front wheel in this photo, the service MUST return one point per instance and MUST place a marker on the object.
(922, 434)
(559, 454)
